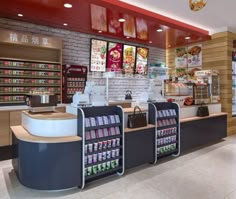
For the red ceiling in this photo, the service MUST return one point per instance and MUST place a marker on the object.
(53, 13)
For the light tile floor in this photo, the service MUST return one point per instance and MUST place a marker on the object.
(206, 173)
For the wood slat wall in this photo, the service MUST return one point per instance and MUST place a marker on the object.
(217, 54)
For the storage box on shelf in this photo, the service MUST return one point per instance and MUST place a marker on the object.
(74, 80)
(165, 117)
(102, 131)
(20, 77)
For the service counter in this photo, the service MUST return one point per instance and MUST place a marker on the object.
(199, 131)
(52, 163)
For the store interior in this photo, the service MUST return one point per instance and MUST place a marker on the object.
(96, 92)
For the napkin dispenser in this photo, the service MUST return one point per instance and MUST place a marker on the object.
(41, 99)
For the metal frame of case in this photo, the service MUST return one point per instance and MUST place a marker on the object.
(100, 111)
(153, 108)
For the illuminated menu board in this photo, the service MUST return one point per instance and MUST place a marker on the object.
(114, 61)
(98, 55)
(142, 61)
(129, 59)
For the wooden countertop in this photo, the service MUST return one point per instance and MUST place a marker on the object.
(24, 135)
(21, 107)
(131, 110)
(127, 130)
(189, 119)
(50, 116)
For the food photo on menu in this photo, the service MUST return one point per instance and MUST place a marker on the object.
(98, 55)
(142, 29)
(114, 26)
(114, 61)
(142, 61)
(98, 18)
(129, 26)
(129, 59)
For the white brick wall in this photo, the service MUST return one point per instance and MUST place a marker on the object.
(76, 50)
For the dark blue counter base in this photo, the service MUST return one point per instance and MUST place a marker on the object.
(46, 166)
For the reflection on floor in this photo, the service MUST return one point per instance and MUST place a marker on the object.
(207, 173)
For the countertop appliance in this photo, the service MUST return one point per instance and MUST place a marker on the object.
(41, 101)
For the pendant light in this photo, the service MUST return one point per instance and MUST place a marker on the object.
(196, 5)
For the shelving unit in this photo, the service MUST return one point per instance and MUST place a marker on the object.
(102, 132)
(18, 78)
(28, 62)
(74, 80)
(165, 117)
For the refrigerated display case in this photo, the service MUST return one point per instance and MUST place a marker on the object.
(212, 79)
(74, 80)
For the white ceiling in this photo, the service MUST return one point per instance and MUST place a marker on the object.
(216, 16)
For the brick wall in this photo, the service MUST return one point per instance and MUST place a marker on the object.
(76, 50)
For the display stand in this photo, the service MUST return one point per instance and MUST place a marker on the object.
(165, 117)
(74, 80)
(102, 142)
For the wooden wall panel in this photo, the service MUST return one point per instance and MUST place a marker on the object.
(4, 129)
(216, 54)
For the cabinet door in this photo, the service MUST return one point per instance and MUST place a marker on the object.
(15, 120)
(4, 129)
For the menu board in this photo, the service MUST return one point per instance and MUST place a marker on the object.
(142, 61)
(114, 56)
(98, 55)
(129, 59)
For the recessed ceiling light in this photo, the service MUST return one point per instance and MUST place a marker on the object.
(20, 15)
(65, 24)
(121, 20)
(187, 38)
(127, 37)
(150, 42)
(67, 5)
(159, 30)
(99, 31)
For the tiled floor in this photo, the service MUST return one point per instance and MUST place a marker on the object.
(207, 173)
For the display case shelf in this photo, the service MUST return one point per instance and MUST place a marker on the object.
(28, 68)
(104, 173)
(161, 145)
(103, 150)
(103, 138)
(167, 153)
(167, 117)
(164, 136)
(28, 60)
(167, 126)
(29, 77)
(103, 126)
(107, 160)
(31, 85)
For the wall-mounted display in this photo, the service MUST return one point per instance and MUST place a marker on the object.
(98, 18)
(129, 59)
(142, 29)
(129, 26)
(98, 55)
(180, 58)
(142, 61)
(195, 56)
(114, 26)
(114, 56)
(189, 57)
